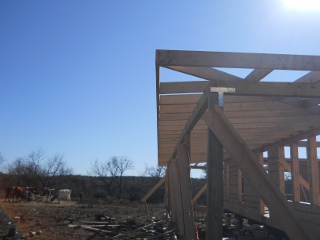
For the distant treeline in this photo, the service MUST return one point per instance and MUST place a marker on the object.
(106, 179)
(107, 189)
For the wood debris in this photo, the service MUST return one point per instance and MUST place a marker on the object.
(139, 227)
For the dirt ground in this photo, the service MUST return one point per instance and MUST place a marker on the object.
(98, 220)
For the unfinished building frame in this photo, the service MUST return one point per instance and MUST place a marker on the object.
(249, 131)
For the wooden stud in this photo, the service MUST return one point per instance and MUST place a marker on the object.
(281, 169)
(313, 167)
(185, 191)
(240, 186)
(171, 198)
(275, 169)
(177, 198)
(262, 204)
(227, 177)
(166, 190)
(214, 180)
(295, 171)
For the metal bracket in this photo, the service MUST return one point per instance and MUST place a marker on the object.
(222, 89)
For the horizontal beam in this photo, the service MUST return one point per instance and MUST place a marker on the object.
(242, 88)
(237, 60)
(283, 89)
(182, 87)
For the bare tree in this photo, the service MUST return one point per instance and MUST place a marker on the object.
(122, 164)
(18, 170)
(45, 169)
(34, 167)
(111, 172)
(37, 170)
(99, 169)
(155, 172)
(2, 160)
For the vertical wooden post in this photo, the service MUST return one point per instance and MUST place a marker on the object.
(214, 180)
(275, 169)
(166, 189)
(185, 191)
(227, 177)
(240, 186)
(281, 169)
(171, 197)
(177, 198)
(313, 174)
(261, 161)
(295, 171)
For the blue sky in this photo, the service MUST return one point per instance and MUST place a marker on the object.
(78, 77)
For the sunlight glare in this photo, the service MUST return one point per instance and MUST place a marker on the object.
(303, 4)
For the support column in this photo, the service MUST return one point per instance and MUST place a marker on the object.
(240, 186)
(166, 190)
(176, 193)
(261, 161)
(313, 174)
(171, 198)
(185, 191)
(227, 177)
(295, 168)
(275, 169)
(214, 180)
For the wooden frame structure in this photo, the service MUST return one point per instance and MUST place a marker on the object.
(239, 126)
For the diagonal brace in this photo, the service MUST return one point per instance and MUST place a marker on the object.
(247, 162)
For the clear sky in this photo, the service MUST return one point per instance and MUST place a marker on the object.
(78, 77)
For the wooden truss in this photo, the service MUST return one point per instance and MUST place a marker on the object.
(228, 122)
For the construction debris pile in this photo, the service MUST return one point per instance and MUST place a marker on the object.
(147, 226)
